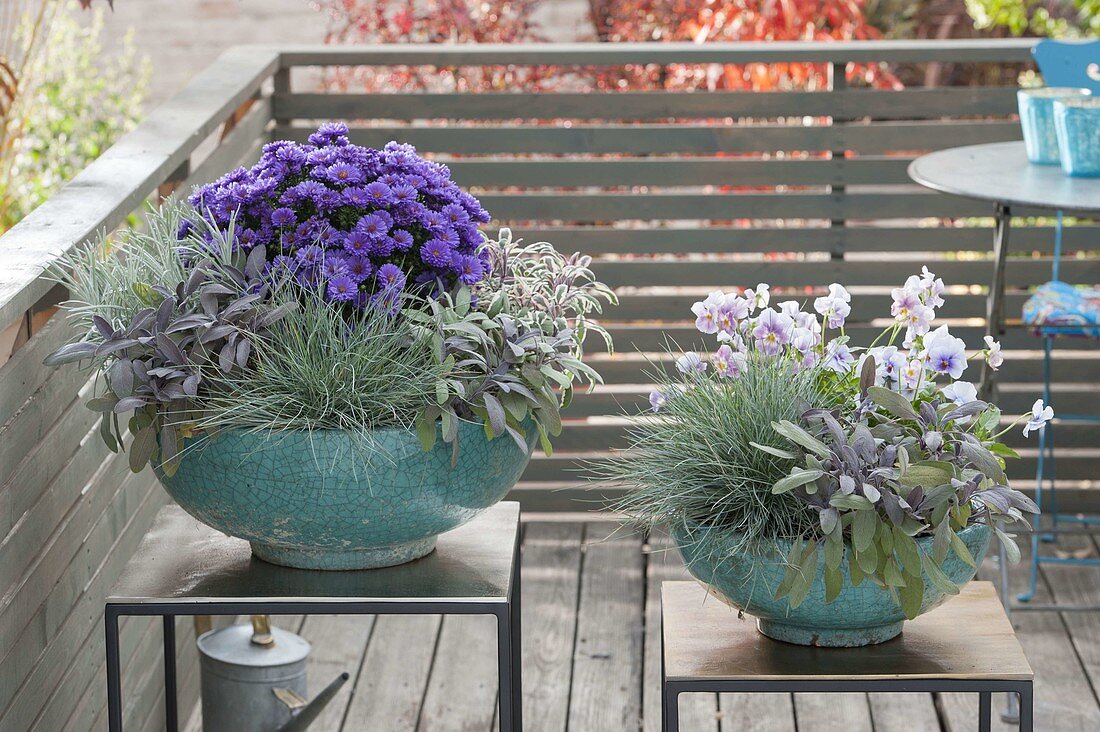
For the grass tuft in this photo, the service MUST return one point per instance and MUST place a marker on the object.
(693, 461)
(321, 368)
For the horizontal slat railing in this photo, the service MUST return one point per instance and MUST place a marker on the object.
(614, 138)
(71, 514)
(911, 104)
(796, 188)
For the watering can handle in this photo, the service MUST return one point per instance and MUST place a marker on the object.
(261, 631)
(305, 716)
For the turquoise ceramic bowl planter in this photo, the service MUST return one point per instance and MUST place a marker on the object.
(325, 500)
(859, 616)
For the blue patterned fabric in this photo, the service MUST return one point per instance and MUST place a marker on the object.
(1059, 308)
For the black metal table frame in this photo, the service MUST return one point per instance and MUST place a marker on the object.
(671, 690)
(507, 612)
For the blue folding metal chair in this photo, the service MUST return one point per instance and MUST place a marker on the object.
(1058, 310)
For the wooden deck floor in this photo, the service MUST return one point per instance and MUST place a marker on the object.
(591, 622)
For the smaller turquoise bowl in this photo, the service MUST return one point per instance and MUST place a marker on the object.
(1077, 124)
(860, 615)
(1037, 120)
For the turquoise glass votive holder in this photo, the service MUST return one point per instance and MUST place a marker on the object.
(1037, 120)
(1077, 124)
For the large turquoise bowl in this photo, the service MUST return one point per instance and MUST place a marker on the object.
(329, 500)
(859, 616)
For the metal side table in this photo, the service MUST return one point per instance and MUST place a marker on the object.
(966, 645)
(999, 172)
(186, 568)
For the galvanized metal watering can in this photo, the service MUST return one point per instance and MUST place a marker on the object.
(254, 680)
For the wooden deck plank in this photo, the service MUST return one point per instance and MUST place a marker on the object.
(551, 576)
(698, 712)
(756, 712)
(339, 642)
(607, 661)
(462, 690)
(1064, 701)
(395, 674)
(904, 712)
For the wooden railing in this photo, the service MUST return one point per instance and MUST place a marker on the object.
(674, 193)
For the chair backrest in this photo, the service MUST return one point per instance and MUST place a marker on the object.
(1069, 63)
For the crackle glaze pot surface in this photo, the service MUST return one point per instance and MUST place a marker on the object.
(326, 500)
(859, 616)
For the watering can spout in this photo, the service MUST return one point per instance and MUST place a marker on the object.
(306, 712)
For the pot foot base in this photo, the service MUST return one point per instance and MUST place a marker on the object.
(829, 637)
(374, 558)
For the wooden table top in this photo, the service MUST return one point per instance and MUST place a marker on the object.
(183, 561)
(968, 637)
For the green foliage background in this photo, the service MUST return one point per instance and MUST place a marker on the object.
(79, 97)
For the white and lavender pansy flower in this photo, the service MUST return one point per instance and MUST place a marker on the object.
(960, 392)
(993, 355)
(946, 354)
(835, 306)
(728, 362)
(839, 358)
(1040, 415)
(690, 363)
(760, 297)
(772, 331)
(706, 317)
(911, 374)
(889, 362)
(803, 340)
(932, 287)
(657, 400)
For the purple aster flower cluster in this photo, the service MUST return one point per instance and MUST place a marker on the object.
(362, 225)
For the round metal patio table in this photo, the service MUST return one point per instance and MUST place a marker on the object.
(1000, 173)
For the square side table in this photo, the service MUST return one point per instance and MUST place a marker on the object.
(184, 567)
(967, 644)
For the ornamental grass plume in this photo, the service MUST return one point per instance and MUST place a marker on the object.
(321, 368)
(694, 461)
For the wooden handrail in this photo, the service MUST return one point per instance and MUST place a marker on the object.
(900, 51)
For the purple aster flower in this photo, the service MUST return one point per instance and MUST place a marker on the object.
(184, 229)
(334, 265)
(471, 270)
(284, 216)
(343, 174)
(382, 247)
(402, 240)
(434, 221)
(436, 253)
(403, 193)
(342, 288)
(356, 196)
(359, 268)
(330, 133)
(309, 255)
(357, 242)
(380, 194)
(246, 238)
(390, 277)
(455, 214)
(375, 225)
